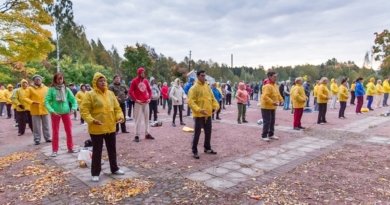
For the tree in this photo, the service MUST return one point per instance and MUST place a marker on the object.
(381, 51)
(135, 57)
(22, 36)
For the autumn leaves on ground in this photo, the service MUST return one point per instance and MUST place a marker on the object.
(329, 179)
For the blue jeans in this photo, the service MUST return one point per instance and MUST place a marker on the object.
(369, 99)
(286, 102)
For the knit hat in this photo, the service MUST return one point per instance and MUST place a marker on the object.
(37, 76)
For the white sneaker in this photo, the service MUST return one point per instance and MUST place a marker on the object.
(54, 154)
(274, 138)
(265, 139)
(119, 172)
(95, 178)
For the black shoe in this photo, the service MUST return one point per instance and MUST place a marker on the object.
(218, 118)
(136, 139)
(196, 156)
(302, 128)
(173, 125)
(296, 128)
(210, 151)
(48, 140)
(182, 123)
(20, 134)
(244, 121)
(125, 132)
(149, 137)
(239, 122)
(37, 143)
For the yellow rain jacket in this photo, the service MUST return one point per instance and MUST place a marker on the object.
(386, 86)
(353, 86)
(18, 97)
(200, 97)
(2, 96)
(343, 93)
(315, 90)
(8, 93)
(322, 94)
(37, 94)
(298, 96)
(379, 89)
(102, 106)
(270, 96)
(80, 97)
(371, 87)
(334, 87)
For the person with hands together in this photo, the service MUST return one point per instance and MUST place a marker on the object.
(141, 93)
(58, 100)
(202, 103)
(101, 111)
(22, 108)
(270, 99)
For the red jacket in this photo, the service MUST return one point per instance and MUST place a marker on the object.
(164, 92)
(140, 88)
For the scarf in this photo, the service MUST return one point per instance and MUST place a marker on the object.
(60, 92)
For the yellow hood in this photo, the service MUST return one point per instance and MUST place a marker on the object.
(95, 79)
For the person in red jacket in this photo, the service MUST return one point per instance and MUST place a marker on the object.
(141, 94)
(164, 94)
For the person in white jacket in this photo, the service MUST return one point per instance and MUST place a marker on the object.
(177, 94)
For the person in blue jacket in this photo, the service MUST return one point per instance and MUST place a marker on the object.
(218, 97)
(359, 94)
(186, 89)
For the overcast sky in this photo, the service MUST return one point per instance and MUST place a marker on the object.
(256, 32)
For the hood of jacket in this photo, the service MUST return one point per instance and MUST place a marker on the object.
(95, 79)
(140, 70)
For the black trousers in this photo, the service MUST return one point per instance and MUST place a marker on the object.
(153, 110)
(268, 122)
(343, 105)
(228, 99)
(352, 98)
(219, 110)
(97, 144)
(123, 124)
(2, 106)
(322, 112)
(205, 123)
(23, 118)
(175, 108)
(188, 110)
(9, 111)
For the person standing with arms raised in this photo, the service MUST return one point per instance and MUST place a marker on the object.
(141, 93)
(202, 102)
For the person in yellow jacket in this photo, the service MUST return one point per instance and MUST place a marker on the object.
(202, 103)
(379, 93)
(8, 94)
(343, 97)
(80, 95)
(371, 91)
(386, 90)
(101, 110)
(322, 99)
(298, 98)
(35, 98)
(23, 115)
(270, 99)
(353, 86)
(334, 88)
(3, 99)
(315, 95)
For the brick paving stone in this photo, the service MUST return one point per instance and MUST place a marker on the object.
(264, 165)
(277, 160)
(219, 184)
(230, 165)
(200, 176)
(287, 156)
(258, 156)
(252, 172)
(235, 177)
(296, 153)
(217, 171)
(306, 149)
(245, 160)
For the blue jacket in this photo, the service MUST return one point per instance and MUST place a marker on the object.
(359, 89)
(188, 85)
(217, 94)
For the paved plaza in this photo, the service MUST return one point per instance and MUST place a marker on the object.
(244, 167)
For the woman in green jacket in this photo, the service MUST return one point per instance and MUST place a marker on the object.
(60, 102)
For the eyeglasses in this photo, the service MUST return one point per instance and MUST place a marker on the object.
(202, 75)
